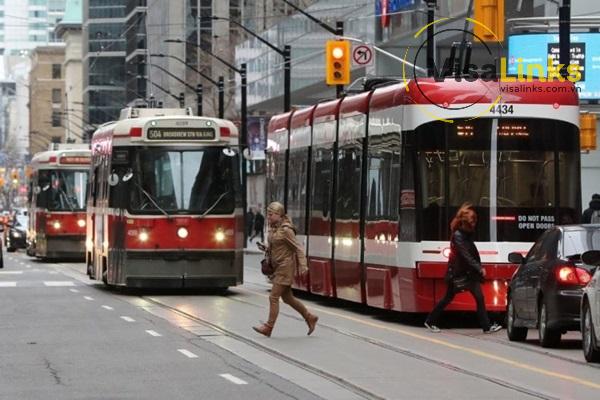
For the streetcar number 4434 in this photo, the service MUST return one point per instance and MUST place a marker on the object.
(502, 109)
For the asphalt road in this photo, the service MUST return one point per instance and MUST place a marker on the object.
(57, 343)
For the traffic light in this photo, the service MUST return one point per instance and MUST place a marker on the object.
(1, 181)
(337, 62)
(491, 14)
(587, 131)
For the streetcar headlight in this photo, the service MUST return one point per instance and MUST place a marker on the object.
(219, 235)
(56, 225)
(143, 236)
(182, 232)
(16, 234)
(81, 223)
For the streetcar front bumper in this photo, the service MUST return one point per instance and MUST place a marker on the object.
(182, 269)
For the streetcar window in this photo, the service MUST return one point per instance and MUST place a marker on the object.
(65, 190)
(184, 181)
(506, 168)
(297, 179)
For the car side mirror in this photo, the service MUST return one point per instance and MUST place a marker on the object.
(591, 257)
(516, 258)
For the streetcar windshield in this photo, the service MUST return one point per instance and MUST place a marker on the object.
(63, 190)
(184, 181)
(522, 176)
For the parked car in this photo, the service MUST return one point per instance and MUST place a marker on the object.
(590, 308)
(16, 237)
(546, 289)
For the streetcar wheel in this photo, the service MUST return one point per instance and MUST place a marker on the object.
(588, 336)
(548, 337)
(515, 334)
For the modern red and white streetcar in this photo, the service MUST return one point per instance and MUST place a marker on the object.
(57, 196)
(165, 202)
(374, 179)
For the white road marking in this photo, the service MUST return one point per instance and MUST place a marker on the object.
(74, 290)
(53, 272)
(28, 266)
(233, 379)
(8, 284)
(88, 298)
(128, 319)
(187, 353)
(108, 307)
(59, 283)
(153, 333)
(11, 272)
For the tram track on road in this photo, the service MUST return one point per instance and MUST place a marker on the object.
(409, 353)
(358, 390)
(530, 349)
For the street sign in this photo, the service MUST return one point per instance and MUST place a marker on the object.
(362, 55)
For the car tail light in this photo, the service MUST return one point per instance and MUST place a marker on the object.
(583, 276)
(571, 275)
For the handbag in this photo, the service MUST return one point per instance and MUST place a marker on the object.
(266, 267)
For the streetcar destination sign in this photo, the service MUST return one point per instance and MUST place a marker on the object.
(181, 134)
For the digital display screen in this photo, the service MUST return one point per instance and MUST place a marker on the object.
(537, 48)
(74, 160)
(180, 134)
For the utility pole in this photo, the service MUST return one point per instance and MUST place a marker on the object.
(564, 36)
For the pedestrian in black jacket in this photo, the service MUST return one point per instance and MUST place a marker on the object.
(592, 214)
(464, 269)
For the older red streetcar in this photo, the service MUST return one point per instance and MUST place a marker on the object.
(57, 198)
(372, 181)
(165, 203)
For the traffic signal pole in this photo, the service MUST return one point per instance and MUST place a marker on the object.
(564, 36)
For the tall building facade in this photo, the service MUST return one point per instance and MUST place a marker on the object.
(103, 50)
(46, 91)
(69, 30)
(24, 25)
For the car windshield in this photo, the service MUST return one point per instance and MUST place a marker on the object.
(64, 190)
(576, 242)
(183, 181)
(21, 221)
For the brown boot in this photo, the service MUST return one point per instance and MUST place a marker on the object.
(264, 329)
(311, 321)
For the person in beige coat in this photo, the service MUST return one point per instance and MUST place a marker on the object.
(285, 253)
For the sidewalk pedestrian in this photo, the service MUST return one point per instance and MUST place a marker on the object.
(286, 254)
(592, 214)
(464, 270)
(259, 226)
(249, 222)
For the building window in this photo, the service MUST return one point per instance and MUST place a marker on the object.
(56, 71)
(56, 95)
(55, 119)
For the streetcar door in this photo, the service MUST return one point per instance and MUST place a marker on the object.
(348, 268)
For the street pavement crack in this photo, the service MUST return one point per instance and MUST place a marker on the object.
(52, 371)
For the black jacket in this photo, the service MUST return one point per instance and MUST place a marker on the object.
(586, 218)
(464, 257)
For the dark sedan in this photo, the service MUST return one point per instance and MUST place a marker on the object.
(17, 234)
(545, 291)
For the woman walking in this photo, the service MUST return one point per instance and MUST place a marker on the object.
(464, 269)
(285, 253)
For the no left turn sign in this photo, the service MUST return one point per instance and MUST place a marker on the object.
(362, 55)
